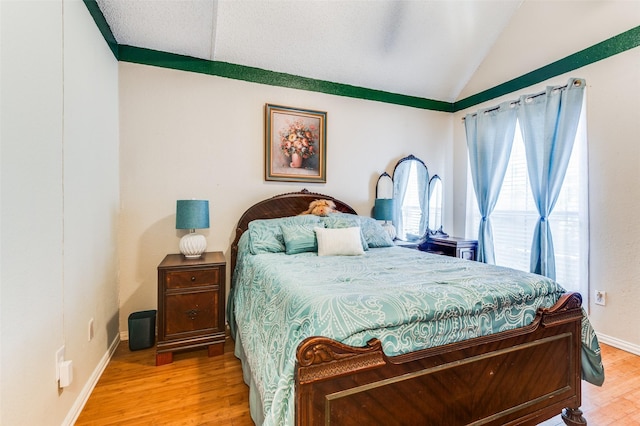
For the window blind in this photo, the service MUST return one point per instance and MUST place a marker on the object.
(515, 216)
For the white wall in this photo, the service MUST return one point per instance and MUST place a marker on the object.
(32, 296)
(613, 90)
(91, 199)
(59, 200)
(183, 135)
(189, 135)
(186, 135)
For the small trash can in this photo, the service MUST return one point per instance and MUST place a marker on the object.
(142, 330)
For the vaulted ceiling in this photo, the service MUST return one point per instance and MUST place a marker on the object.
(428, 49)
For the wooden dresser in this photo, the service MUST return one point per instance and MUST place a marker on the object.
(191, 297)
(451, 246)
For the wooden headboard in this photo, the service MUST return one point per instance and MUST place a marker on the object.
(283, 205)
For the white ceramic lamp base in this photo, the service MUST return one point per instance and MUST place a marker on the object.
(391, 230)
(193, 245)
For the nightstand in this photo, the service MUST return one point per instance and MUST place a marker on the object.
(451, 246)
(191, 296)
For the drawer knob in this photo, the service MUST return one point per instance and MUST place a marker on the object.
(193, 278)
(192, 313)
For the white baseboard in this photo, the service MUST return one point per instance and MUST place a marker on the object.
(620, 344)
(84, 395)
(124, 335)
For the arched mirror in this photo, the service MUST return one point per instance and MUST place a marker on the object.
(435, 207)
(411, 198)
(384, 187)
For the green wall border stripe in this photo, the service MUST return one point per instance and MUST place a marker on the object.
(257, 75)
(617, 44)
(612, 46)
(103, 26)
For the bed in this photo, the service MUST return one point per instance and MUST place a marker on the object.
(397, 336)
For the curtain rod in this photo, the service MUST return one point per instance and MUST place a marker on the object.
(535, 95)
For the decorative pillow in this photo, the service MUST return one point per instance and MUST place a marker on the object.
(374, 233)
(266, 234)
(299, 237)
(339, 241)
(344, 220)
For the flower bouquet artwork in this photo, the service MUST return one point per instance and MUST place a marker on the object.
(297, 141)
(295, 144)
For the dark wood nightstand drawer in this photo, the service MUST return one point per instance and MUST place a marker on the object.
(193, 278)
(192, 312)
(191, 296)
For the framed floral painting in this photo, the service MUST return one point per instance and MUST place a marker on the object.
(295, 144)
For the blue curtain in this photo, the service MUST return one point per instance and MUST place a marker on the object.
(489, 139)
(549, 122)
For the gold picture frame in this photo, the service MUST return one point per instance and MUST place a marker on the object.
(295, 144)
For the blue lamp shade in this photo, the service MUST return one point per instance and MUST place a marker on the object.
(383, 209)
(192, 215)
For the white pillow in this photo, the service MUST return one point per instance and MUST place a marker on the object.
(339, 241)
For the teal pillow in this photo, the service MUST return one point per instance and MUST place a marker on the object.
(266, 234)
(374, 233)
(299, 237)
(345, 220)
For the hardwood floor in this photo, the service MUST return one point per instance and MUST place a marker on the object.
(617, 402)
(197, 390)
(193, 390)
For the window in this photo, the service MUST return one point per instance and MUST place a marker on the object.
(515, 216)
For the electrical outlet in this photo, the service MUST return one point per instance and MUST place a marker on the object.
(59, 361)
(601, 297)
(90, 329)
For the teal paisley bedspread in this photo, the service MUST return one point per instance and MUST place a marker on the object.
(408, 299)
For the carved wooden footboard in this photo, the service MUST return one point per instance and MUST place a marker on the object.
(522, 376)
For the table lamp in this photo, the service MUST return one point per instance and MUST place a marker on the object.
(192, 215)
(383, 210)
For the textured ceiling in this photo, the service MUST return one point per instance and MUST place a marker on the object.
(428, 49)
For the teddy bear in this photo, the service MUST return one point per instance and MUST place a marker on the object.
(321, 208)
